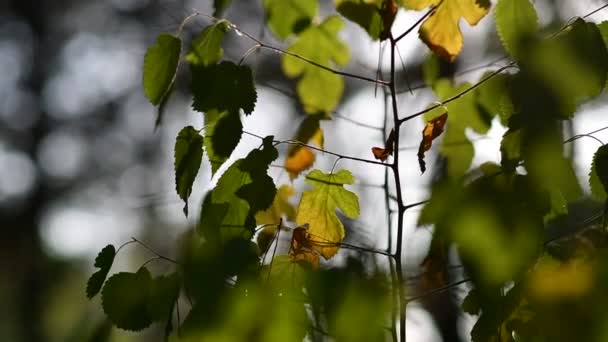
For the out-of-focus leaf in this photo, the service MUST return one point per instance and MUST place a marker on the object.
(441, 31)
(318, 90)
(160, 66)
(318, 209)
(470, 304)
(374, 16)
(222, 134)
(301, 158)
(188, 157)
(389, 146)
(280, 207)
(287, 17)
(432, 130)
(598, 177)
(515, 19)
(207, 46)
(125, 299)
(493, 95)
(223, 87)
(219, 6)
(103, 261)
(285, 275)
(164, 291)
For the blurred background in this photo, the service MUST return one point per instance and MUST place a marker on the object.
(81, 165)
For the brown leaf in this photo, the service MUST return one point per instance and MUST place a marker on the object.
(301, 249)
(388, 13)
(432, 130)
(389, 146)
(301, 158)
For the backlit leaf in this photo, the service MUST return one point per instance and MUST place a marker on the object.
(285, 275)
(389, 146)
(125, 299)
(301, 158)
(374, 16)
(515, 19)
(188, 156)
(301, 248)
(223, 87)
(222, 134)
(318, 90)
(431, 130)
(598, 177)
(286, 17)
(280, 207)
(164, 291)
(493, 96)
(160, 66)
(441, 31)
(207, 46)
(318, 209)
(103, 261)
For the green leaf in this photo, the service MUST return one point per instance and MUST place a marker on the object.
(103, 261)
(125, 299)
(598, 177)
(285, 275)
(515, 19)
(163, 294)
(188, 156)
(431, 70)
(458, 150)
(219, 6)
(318, 208)
(207, 46)
(229, 210)
(160, 67)
(470, 304)
(286, 17)
(229, 129)
(224, 86)
(366, 13)
(318, 90)
(493, 94)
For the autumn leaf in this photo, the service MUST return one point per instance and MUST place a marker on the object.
(441, 31)
(383, 153)
(318, 209)
(280, 207)
(301, 247)
(301, 158)
(432, 130)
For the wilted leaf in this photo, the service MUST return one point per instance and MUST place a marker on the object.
(280, 207)
(286, 17)
(160, 67)
(103, 261)
(301, 247)
(188, 156)
(301, 158)
(389, 145)
(441, 31)
(223, 87)
(207, 46)
(318, 209)
(598, 177)
(222, 134)
(318, 90)
(515, 19)
(125, 299)
(432, 130)
(374, 16)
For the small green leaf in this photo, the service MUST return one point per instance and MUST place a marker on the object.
(224, 86)
(365, 13)
(125, 299)
(164, 291)
(598, 177)
(207, 46)
(188, 156)
(219, 6)
(229, 130)
(515, 19)
(318, 90)
(160, 67)
(286, 17)
(103, 261)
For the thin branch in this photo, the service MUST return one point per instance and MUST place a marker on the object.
(426, 15)
(439, 289)
(159, 256)
(363, 160)
(413, 205)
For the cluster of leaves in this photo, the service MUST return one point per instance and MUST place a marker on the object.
(496, 215)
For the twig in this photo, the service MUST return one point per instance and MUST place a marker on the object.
(426, 15)
(159, 256)
(437, 290)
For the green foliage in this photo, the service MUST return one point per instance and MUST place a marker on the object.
(287, 17)
(103, 261)
(188, 156)
(207, 47)
(164, 291)
(515, 20)
(374, 16)
(318, 89)
(219, 146)
(125, 299)
(219, 6)
(160, 66)
(598, 177)
(223, 87)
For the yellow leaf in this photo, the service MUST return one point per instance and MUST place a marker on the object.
(441, 31)
(301, 158)
(280, 206)
(432, 130)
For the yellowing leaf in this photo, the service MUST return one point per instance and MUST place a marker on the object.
(432, 130)
(301, 247)
(280, 206)
(551, 280)
(383, 153)
(441, 31)
(301, 158)
(318, 209)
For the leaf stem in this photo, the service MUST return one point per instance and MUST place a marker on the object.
(426, 15)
